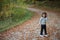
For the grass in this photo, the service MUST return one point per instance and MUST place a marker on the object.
(19, 15)
(49, 5)
(48, 8)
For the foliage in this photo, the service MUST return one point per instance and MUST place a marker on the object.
(18, 16)
(12, 13)
(49, 3)
(6, 6)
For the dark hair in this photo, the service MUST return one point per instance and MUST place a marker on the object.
(45, 14)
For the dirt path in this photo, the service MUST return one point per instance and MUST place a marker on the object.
(30, 30)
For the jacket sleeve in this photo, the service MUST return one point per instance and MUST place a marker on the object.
(40, 20)
(46, 19)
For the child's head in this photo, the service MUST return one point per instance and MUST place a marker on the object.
(44, 14)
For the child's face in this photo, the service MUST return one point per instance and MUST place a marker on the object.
(44, 15)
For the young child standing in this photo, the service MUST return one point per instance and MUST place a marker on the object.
(43, 20)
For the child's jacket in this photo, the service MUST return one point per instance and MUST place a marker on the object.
(43, 21)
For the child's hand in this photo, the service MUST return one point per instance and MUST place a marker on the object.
(38, 24)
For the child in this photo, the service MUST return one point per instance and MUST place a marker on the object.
(43, 20)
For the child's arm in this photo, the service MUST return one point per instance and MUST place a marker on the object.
(40, 20)
(46, 20)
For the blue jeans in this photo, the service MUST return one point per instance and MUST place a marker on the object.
(43, 27)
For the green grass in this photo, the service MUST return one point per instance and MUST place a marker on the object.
(19, 15)
(48, 5)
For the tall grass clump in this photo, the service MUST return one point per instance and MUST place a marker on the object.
(13, 13)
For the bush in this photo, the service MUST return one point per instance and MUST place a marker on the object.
(7, 5)
(51, 4)
(19, 16)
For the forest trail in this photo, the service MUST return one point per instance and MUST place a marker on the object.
(30, 30)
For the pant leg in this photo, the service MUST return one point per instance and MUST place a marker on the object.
(45, 29)
(41, 33)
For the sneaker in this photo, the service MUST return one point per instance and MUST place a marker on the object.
(46, 35)
(41, 36)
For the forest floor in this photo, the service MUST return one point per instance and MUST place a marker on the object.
(30, 29)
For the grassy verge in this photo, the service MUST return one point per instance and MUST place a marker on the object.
(48, 5)
(19, 15)
(46, 8)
